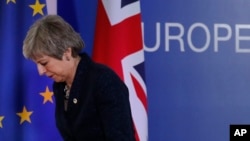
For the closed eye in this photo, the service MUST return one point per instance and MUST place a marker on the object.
(44, 63)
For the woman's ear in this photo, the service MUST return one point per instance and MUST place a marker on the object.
(68, 53)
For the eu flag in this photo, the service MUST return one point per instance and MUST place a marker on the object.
(26, 99)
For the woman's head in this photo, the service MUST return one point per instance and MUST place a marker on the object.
(51, 36)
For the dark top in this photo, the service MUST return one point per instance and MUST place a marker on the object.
(98, 106)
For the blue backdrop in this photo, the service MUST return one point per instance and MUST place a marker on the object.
(197, 65)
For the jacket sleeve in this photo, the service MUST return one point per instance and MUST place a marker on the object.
(114, 108)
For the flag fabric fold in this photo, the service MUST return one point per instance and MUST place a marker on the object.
(118, 44)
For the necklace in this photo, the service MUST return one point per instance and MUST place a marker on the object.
(66, 97)
(67, 91)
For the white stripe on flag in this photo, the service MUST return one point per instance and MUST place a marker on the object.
(116, 14)
(139, 112)
(51, 7)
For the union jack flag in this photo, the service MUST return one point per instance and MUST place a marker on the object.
(118, 44)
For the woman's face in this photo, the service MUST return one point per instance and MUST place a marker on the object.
(53, 68)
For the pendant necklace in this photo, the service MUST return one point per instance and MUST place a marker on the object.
(66, 97)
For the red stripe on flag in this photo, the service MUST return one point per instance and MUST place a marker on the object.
(140, 93)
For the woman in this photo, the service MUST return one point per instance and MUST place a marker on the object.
(92, 103)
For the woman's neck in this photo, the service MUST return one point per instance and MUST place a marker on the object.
(72, 71)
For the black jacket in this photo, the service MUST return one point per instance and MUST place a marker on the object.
(98, 107)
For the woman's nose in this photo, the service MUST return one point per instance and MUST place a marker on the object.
(41, 69)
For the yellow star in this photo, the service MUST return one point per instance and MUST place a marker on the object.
(14, 1)
(1, 119)
(37, 7)
(25, 115)
(47, 95)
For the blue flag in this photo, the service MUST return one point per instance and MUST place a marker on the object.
(81, 15)
(26, 99)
